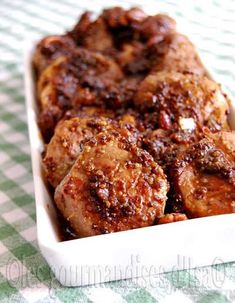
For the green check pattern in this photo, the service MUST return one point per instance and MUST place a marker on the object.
(24, 274)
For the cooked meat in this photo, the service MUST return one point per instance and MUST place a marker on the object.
(118, 97)
(113, 186)
(134, 55)
(81, 78)
(204, 176)
(76, 79)
(107, 33)
(51, 48)
(74, 130)
(183, 102)
(123, 101)
(173, 217)
(175, 53)
(132, 32)
(67, 143)
(122, 24)
(117, 26)
(135, 25)
(165, 145)
(92, 35)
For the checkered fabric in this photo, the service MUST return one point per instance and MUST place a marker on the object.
(24, 274)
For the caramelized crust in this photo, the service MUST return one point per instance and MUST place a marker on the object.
(204, 176)
(93, 35)
(117, 29)
(77, 79)
(113, 186)
(81, 78)
(135, 25)
(182, 102)
(51, 48)
(106, 33)
(67, 143)
(70, 136)
(165, 145)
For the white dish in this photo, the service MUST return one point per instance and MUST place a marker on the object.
(122, 255)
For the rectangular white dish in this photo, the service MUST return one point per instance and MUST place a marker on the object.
(122, 255)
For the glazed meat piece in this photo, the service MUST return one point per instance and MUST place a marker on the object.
(122, 24)
(81, 78)
(117, 96)
(77, 79)
(109, 31)
(134, 55)
(93, 35)
(165, 145)
(73, 132)
(135, 25)
(175, 53)
(204, 176)
(113, 186)
(67, 143)
(51, 48)
(182, 102)
(133, 31)
(173, 217)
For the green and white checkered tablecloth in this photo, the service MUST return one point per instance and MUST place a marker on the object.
(24, 274)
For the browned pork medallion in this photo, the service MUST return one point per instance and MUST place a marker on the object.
(204, 176)
(113, 186)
